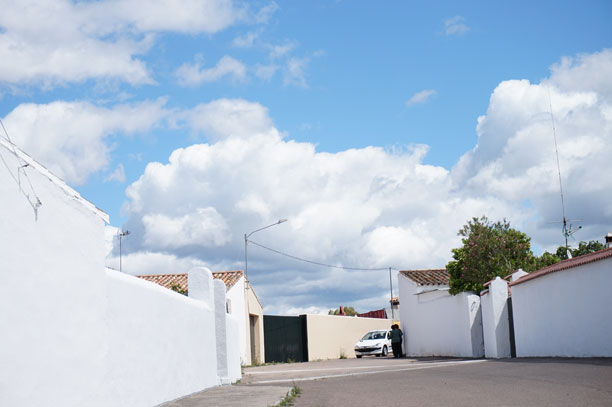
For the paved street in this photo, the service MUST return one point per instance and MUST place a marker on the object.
(435, 382)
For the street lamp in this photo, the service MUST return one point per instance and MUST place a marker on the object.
(246, 241)
(121, 235)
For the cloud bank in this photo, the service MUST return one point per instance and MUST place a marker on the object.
(365, 208)
(370, 207)
(54, 42)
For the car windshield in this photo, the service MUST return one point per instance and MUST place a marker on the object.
(374, 335)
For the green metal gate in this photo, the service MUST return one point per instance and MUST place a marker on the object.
(285, 339)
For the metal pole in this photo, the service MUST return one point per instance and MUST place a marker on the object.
(246, 242)
(391, 300)
(246, 263)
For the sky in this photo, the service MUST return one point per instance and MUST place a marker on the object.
(376, 129)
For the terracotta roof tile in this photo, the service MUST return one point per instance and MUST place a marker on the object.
(168, 280)
(229, 278)
(427, 277)
(566, 264)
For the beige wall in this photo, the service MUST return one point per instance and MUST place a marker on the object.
(254, 308)
(329, 336)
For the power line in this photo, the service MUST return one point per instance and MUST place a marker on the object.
(317, 263)
(35, 201)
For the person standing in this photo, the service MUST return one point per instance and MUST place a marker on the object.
(396, 340)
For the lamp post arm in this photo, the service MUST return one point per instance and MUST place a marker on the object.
(246, 237)
(246, 244)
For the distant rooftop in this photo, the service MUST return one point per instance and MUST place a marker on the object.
(179, 280)
(427, 277)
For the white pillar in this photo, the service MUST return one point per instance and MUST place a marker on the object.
(200, 285)
(221, 332)
(495, 324)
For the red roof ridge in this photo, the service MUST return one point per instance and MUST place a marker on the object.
(566, 264)
(165, 274)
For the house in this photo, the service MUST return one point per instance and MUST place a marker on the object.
(434, 322)
(564, 309)
(241, 302)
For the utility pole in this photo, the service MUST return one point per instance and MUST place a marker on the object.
(391, 299)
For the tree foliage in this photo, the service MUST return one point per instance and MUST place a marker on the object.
(349, 311)
(177, 287)
(582, 249)
(548, 259)
(489, 250)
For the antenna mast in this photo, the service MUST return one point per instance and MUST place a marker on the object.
(567, 231)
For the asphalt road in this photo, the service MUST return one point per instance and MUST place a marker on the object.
(443, 382)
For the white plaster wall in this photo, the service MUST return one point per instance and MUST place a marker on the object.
(161, 345)
(436, 323)
(566, 313)
(238, 311)
(330, 336)
(495, 325)
(233, 344)
(75, 334)
(52, 295)
(221, 331)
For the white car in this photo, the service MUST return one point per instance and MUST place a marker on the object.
(374, 343)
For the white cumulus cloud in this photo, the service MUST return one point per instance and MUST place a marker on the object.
(370, 207)
(69, 137)
(193, 74)
(53, 42)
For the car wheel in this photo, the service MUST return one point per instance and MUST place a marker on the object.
(385, 351)
(358, 356)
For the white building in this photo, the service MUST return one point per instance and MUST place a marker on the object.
(565, 309)
(242, 303)
(434, 322)
(76, 334)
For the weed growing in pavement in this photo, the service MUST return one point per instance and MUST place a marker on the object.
(288, 400)
(343, 355)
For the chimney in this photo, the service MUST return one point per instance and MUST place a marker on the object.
(608, 239)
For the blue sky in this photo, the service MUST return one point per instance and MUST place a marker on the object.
(350, 119)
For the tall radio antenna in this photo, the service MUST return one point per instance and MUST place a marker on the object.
(567, 231)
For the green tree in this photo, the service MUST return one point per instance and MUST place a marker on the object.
(177, 287)
(586, 248)
(349, 311)
(489, 250)
(582, 249)
(546, 259)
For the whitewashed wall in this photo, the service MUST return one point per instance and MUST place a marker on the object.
(74, 334)
(436, 323)
(233, 355)
(52, 296)
(495, 323)
(565, 313)
(159, 341)
(236, 296)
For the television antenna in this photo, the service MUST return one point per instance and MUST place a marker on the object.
(566, 231)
